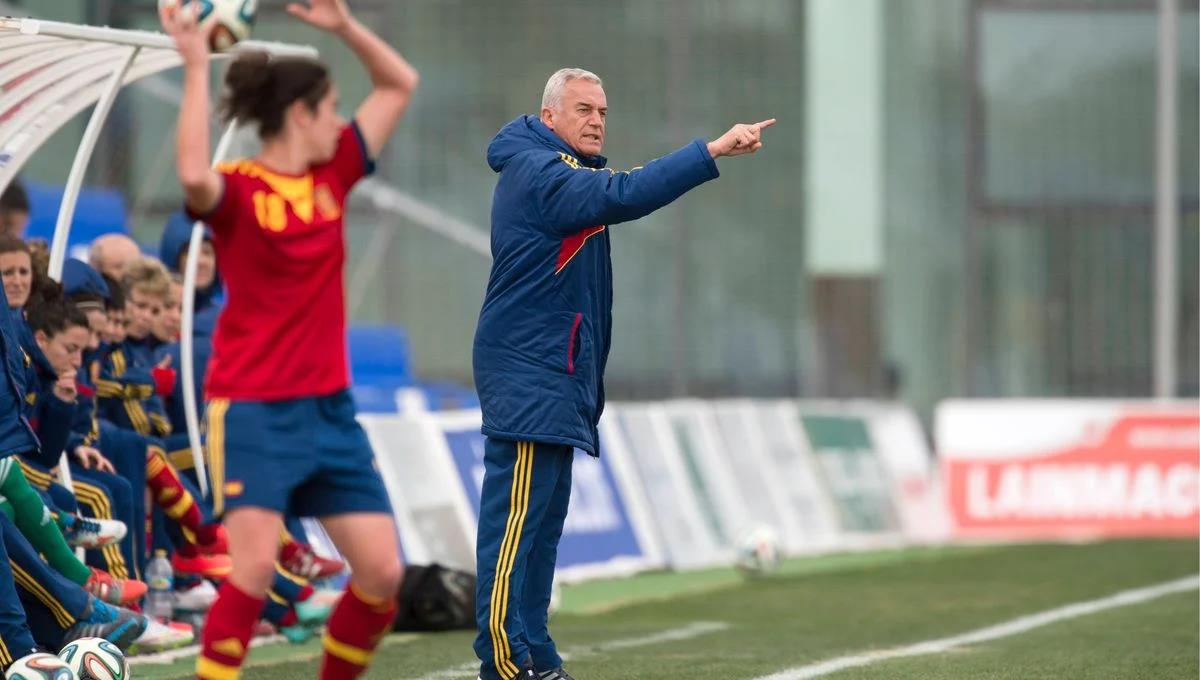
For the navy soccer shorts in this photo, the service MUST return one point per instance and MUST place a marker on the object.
(307, 457)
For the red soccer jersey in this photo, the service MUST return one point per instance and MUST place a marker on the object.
(280, 249)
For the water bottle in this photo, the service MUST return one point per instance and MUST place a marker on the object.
(160, 584)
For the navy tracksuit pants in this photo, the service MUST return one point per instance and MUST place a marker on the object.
(52, 604)
(16, 640)
(101, 495)
(526, 491)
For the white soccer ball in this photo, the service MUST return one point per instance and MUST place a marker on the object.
(39, 667)
(758, 551)
(230, 21)
(95, 659)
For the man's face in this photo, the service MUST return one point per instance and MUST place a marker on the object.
(579, 118)
(116, 255)
(142, 312)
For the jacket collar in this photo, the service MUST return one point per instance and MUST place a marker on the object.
(557, 142)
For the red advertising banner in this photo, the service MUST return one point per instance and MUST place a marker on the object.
(1071, 469)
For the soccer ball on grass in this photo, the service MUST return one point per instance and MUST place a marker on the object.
(758, 552)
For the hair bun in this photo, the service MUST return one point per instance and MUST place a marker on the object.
(251, 70)
(248, 77)
(259, 89)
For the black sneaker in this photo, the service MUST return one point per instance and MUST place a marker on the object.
(527, 674)
(119, 626)
(556, 674)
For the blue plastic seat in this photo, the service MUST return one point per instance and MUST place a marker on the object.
(97, 212)
(380, 362)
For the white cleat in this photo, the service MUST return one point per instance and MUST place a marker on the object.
(160, 637)
(89, 533)
(198, 598)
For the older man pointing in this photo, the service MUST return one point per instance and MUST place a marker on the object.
(543, 339)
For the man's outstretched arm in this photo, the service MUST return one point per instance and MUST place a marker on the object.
(572, 197)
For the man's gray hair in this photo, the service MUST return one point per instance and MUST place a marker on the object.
(552, 95)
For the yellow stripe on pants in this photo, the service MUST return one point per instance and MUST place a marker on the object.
(27, 582)
(509, 547)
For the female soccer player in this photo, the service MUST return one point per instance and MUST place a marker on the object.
(282, 434)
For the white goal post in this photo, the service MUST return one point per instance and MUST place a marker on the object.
(51, 71)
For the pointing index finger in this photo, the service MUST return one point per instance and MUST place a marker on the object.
(765, 124)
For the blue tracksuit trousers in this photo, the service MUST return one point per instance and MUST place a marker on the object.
(16, 640)
(52, 603)
(526, 491)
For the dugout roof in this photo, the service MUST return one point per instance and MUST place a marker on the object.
(51, 71)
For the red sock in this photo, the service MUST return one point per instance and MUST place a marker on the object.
(357, 625)
(226, 634)
(175, 500)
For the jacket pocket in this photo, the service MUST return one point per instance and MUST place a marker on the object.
(573, 343)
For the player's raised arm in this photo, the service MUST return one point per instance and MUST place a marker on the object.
(394, 79)
(201, 184)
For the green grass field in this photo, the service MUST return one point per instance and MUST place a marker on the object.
(714, 624)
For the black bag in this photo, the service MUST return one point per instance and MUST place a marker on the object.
(436, 598)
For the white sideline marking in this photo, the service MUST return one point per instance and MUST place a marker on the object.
(672, 635)
(168, 657)
(692, 630)
(172, 655)
(1013, 627)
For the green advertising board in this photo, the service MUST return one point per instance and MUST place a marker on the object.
(708, 504)
(854, 476)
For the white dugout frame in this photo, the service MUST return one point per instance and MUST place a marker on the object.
(73, 67)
